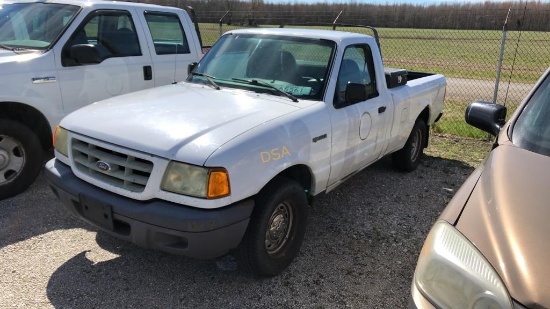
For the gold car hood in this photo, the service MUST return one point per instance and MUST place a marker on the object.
(508, 219)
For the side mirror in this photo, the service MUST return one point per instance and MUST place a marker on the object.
(355, 93)
(191, 67)
(486, 116)
(85, 54)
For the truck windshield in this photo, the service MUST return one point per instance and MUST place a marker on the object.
(33, 25)
(532, 129)
(259, 62)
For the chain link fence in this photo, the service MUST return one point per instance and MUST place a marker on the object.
(468, 58)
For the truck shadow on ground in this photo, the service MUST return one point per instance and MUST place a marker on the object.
(360, 250)
(34, 212)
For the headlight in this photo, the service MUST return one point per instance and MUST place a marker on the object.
(60, 141)
(452, 273)
(196, 180)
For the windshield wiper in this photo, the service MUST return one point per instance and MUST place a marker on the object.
(17, 50)
(7, 47)
(209, 78)
(257, 82)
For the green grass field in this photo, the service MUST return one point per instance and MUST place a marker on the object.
(453, 122)
(468, 54)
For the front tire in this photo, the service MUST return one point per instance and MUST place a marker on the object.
(21, 158)
(276, 229)
(408, 158)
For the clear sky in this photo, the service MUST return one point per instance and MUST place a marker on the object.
(415, 2)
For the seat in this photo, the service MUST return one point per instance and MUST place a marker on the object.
(349, 73)
(122, 42)
(80, 38)
(264, 64)
(289, 69)
(261, 64)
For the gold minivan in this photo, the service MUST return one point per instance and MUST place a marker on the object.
(490, 248)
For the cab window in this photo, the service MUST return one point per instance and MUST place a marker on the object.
(111, 32)
(357, 67)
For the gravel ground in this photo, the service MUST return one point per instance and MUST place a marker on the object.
(360, 250)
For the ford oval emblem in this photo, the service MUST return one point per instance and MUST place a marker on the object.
(103, 166)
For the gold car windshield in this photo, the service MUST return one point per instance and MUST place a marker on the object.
(532, 128)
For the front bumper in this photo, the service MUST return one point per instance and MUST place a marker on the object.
(155, 224)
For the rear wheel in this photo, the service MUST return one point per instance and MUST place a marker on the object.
(276, 229)
(408, 158)
(21, 158)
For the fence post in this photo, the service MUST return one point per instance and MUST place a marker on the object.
(501, 56)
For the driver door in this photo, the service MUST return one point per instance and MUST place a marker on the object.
(356, 126)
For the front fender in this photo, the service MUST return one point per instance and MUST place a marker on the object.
(257, 156)
(43, 94)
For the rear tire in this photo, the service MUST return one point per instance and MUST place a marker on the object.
(276, 229)
(408, 158)
(21, 158)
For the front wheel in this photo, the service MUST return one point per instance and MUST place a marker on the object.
(408, 158)
(276, 229)
(20, 158)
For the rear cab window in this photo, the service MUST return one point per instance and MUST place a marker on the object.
(167, 32)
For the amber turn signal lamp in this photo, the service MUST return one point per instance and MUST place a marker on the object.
(218, 184)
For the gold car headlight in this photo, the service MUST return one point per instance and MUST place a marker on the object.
(60, 141)
(196, 181)
(452, 273)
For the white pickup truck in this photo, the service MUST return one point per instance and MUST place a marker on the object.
(231, 157)
(58, 56)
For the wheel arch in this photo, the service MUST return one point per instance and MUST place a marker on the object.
(276, 229)
(31, 118)
(300, 173)
(425, 116)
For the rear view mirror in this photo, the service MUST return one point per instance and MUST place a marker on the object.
(191, 67)
(486, 116)
(355, 93)
(85, 54)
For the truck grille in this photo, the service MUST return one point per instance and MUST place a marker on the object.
(111, 167)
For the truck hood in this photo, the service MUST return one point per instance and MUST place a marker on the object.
(8, 56)
(506, 218)
(186, 122)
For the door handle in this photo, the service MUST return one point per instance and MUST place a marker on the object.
(381, 109)
(147, 72)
